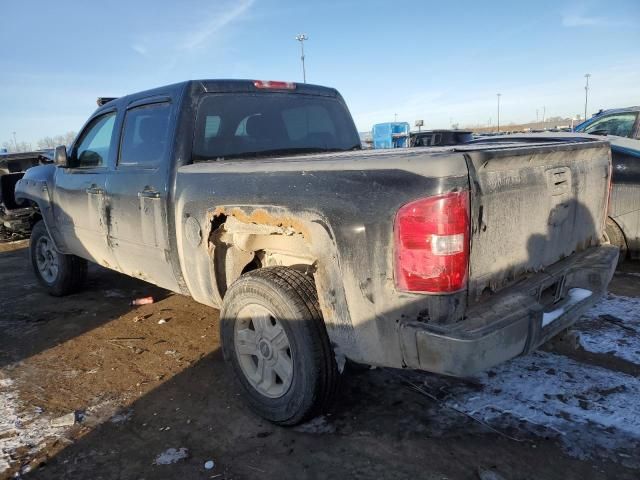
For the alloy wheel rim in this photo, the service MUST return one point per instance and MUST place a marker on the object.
(47, 259)
(263, 350)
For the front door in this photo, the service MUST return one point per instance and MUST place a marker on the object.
(80, 207)
(137, 192)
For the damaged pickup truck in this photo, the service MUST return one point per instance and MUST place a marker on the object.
(17, 217)
(253, 197)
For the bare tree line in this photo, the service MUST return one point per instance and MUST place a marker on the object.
(45, 142)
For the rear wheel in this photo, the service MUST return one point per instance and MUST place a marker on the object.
(60, 274)
(613, 234)
(274, 337)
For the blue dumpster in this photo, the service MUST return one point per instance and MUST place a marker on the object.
(390, 135)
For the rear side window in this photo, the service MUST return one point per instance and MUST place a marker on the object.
(267, 124)
(211, 126)
(620, 124)
(94, 146)
(145, 136)
(310, 122)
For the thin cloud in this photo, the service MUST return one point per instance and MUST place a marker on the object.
(141, 49)
(576, 20)
(215, 23)
(576, 15)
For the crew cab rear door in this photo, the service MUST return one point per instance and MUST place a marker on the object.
(138, 192)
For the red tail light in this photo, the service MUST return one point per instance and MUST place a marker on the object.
(432, 244)
(274, 85)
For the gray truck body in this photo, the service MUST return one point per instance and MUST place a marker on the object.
(536, 255)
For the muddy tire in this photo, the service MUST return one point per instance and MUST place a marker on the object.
(60, 274)
(274, 337)
(614, 236)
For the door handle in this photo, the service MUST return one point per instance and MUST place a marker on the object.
(148, 194)
(94, 190)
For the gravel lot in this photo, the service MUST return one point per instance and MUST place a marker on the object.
(153, 399)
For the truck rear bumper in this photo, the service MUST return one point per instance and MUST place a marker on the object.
(512, 322)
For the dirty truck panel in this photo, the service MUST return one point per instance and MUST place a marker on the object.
(444, 259)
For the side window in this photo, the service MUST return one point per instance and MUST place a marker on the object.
(144, 139)
(94, 146)
(620, 124)
(309, 123)
(211, 126)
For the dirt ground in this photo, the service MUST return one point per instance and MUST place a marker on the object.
(140, 386)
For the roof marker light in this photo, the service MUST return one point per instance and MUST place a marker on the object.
(274, 85)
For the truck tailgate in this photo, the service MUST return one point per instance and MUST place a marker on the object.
(531, 206)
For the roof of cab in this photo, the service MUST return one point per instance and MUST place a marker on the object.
(216, 86)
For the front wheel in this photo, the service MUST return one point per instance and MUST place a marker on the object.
(274, 337)
(60, 274)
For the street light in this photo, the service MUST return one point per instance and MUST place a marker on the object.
(586, 94)
(301, 37)
(499, 95)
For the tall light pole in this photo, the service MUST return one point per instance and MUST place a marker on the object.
(586, 94)
(15, 142)
(498, 95)
(301, 37)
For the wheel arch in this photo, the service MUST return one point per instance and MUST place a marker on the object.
(242, 239)
(617, 237)
(37, 186)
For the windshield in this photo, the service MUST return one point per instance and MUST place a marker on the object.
(267, 124)
(620, 124)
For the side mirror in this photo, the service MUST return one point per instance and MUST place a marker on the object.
(60, 158)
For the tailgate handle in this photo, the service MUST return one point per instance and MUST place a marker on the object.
(149, 194)
(94, 190)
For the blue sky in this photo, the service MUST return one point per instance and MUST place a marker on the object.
(439, 61)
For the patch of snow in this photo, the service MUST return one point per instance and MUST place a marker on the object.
(622, 338)
(21, 427)
(122, 417)
(625, 308)
(576, 295)
(592, 411)
(171, 455)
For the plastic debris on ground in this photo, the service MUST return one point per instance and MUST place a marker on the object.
(142, 301)
(171, 455)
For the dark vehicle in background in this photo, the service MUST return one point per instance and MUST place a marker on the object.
(622, 128)
(440, 138)
(17, 217)
(254, 196)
